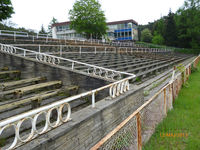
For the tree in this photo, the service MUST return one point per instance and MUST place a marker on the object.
(188, 24)
(146, 35)
(87, 18)
(42, 30)
(53, 21)
(170, 32)
(6, 9)
(158, 39)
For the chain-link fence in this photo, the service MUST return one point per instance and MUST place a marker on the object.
(139, 126)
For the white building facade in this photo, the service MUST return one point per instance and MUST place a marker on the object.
(125, 30)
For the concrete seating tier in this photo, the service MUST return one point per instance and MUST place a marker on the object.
(143, 65)
(19, 95)
(44, 40)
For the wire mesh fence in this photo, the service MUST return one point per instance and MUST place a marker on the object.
(137, 129)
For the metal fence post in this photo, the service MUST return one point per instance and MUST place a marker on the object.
(80, 49)
(15, 36)
(72, 65)
(60, 50)
(165, 102)
(39, 48)
(93, 99)
(47, 39)
(24, 53)
(139, 136)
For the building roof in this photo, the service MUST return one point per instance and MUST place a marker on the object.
(61, 24)
(122, 21)
(108, 23)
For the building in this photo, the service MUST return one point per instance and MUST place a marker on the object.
(124, 30)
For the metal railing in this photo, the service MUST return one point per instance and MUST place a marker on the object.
(54, 60)
(136, 129)
(23, 34)
(115, 89)
(120, 45)
(94, 49)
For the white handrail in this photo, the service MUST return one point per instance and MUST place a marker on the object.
(55, 60)
(22, 34)
(115, 89)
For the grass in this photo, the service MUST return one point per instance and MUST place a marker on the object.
(182, 121)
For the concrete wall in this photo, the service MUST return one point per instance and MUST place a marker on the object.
(32, 68)
(89, 125)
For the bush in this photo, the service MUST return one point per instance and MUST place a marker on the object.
(158, 39)
(146, 35)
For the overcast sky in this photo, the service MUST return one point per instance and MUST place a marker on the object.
(31, 14)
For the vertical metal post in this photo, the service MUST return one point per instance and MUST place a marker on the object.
(24, 53)
(60, 50)
(72, 65)
(165, 102)
(80, 49)
(170, 93)
(105, 50)
(15, 36)
(39, 48)
(95, 49)
(93, 99)
(33, 38)
(139, 136)
(47, 39)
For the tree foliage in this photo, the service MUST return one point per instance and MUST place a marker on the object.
(42, 30)
(87, 18)
(158, 39)
(146, 35)
(170, 32)
(180, 29)
(6, 9)
(53, 21)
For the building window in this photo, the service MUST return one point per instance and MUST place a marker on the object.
(130, 25)
(122, 34)
(126, 34)
(115, 34)
(118, 34)
(126, 25)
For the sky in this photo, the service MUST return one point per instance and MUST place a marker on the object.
(31, 14)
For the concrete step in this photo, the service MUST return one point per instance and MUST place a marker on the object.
(19, 92)
(19, 83)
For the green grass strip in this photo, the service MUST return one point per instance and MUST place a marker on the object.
(180, 130)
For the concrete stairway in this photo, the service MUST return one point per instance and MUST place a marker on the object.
(21, 95)
(143, 65)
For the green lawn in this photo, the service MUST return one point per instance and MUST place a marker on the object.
(182, 121)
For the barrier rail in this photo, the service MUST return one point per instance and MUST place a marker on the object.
(22, 34)
(97, 49)
(120, 45)
(140, 125)
(115, 89)
(54, 60)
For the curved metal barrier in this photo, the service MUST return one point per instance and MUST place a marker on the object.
(115, 89)
(51, 59)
